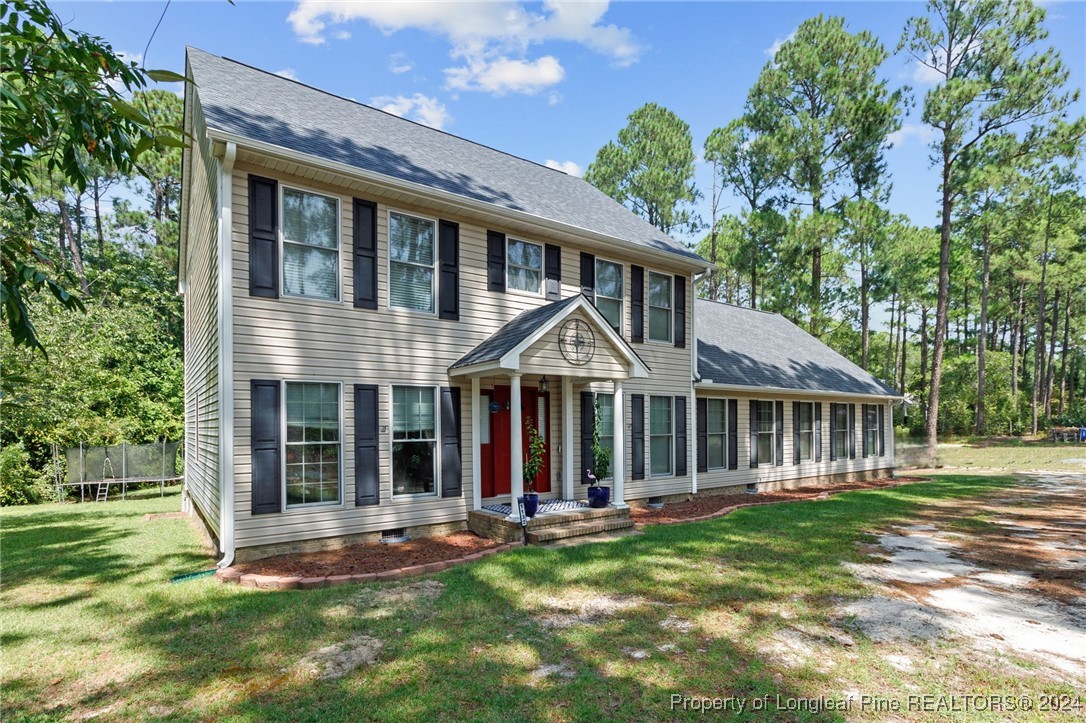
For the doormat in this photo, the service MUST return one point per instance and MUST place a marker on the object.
(544, 506)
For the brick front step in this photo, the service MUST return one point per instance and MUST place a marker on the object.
(579, 529)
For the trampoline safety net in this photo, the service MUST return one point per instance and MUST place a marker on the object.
(124, 462)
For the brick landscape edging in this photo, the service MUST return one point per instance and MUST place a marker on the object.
(230, 575)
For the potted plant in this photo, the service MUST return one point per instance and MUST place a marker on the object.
(533, 465)
(598, 496)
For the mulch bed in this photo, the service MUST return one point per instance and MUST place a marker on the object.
(369, 557)
(701, 507)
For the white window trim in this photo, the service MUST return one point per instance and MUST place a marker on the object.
(542, 268)
(436, 494)
(670, 436)
(295, 509)
(724, 434)
(842, 430)
(773, 433)
(873, 447)
(622, 297)
(282, 241)
(814, 425)
(433, 267)
(649, 307)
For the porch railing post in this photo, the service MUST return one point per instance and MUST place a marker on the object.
(567, 438)
(618, 474)
(516, 445)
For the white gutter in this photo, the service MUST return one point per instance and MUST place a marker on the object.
(710, 384)
(420, 189)
(226, 356)
(693, 377)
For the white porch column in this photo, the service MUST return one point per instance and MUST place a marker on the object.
(618, 472)
(476, 449)
(568, 475)
(516, 444)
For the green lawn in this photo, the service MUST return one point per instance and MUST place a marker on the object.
(1014, 454)
(91, 625)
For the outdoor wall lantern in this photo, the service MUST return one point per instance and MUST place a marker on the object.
(544, 385)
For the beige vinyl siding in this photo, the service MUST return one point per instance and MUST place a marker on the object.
(807, 468)
(307, 339)
(201, 320)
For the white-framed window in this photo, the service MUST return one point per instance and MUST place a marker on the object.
(661, 429)
(609, 292)
(659, 307)
(606, 405)
(412, 262)
(767, 432)
(313, 455)
(524, 266)
(310, 243)
(414, 440)
(716, 428)
(840, 431)
(805, 427)
(871, 429)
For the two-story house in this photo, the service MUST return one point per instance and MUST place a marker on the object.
(378, 313)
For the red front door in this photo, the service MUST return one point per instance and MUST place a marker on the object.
(496, 456)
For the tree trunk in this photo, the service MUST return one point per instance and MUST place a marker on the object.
(923, 356)
(1016, 322)
(96, 194)
(1063, 353)
(890, 352)
(931, 425)
(1039, 345)
(754, 284)
(982, 340)
(1051, 365)
(904, 345)
(73, 245)
(865, 312)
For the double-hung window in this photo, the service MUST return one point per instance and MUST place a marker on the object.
(524, 266)
(766, 428)
(805, 428)
(840, 431)
(609, 292)
(716, 427)
(605, 404)
(659, 307)
(871, 429)
(660, 435)
(414, 440)
(310, 244)
(313, 447)
(412, 256)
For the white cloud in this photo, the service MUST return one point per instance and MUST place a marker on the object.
(567, 167)
(287, 73)
(925, 74)
(771, 51)
(398, 63)
(503, 75)
(418, 107)
(922, 132)
(492, 39)
(342, 35)
(554, 98)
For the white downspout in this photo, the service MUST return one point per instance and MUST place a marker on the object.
(692, 408)
(226, 355)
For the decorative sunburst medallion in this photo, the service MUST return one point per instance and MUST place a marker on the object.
(577, 342)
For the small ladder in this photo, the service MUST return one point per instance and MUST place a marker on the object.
(103, 486)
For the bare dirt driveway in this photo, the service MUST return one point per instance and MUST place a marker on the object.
(1003, 578)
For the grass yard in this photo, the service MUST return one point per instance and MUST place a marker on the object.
(999, 454)
(600, 631)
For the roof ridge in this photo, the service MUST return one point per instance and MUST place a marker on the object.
(745, 308)
(378, 110)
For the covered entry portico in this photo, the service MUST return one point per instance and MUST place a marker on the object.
(568, 343)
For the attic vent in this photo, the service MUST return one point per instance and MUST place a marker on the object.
(752, 488)
(396, 534)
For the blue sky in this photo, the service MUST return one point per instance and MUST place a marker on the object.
(551, 82)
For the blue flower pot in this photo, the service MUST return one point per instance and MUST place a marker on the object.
(598, 497)
(531, 504)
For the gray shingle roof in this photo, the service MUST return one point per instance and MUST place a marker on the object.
(754, 348)
(261, 106)
(496, 345)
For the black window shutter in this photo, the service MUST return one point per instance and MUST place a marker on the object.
(263, 237)
(733, 434)
(588, 422)
(863, 439)
(851, 431)
(680, 436)
(495, 261)
(637, 303)
(365, 254)
(882, 430)
(366, 446)
(779, 420)
(818, 431)
(588, 276)
(448, 286)
(680, 311)
(703, 434)
(637, 436)
(450, 442)
(265, 446)
(795, 432)
(753, 433)
(553, 269)
(833, 431)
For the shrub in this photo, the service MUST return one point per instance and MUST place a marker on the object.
(19, 483)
